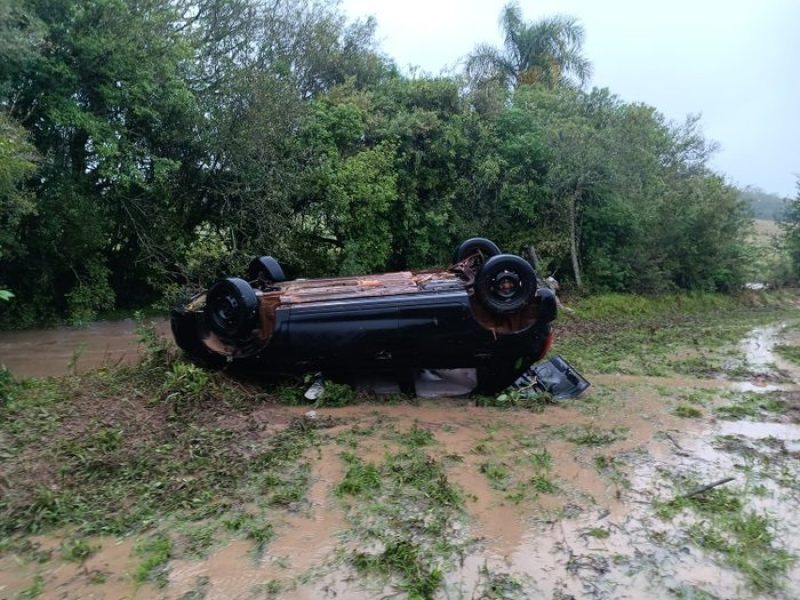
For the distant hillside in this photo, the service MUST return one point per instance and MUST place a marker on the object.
(763, 204)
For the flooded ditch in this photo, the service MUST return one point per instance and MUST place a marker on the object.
(580, 500)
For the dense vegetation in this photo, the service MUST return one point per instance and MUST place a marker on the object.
(149, 145)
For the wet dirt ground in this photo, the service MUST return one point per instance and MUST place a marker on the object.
(593, 531)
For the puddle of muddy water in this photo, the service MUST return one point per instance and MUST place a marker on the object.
(50, 352)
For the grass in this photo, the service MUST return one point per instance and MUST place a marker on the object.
(743, 538)
(590, 435)
(600, 533)
(519, 465)
(751, 405)
(498, 586)
(34, 590)
(497, 474)
(359, 478)
(524, 399)
(640, 335)
(406, 508)
(154, 553)
(612, 467)
(77, 550)
(687, 411)
(162, 442)
(790, 353)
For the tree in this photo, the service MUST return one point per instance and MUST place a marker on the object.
(791, 230)
(548, 51)
(17, 163)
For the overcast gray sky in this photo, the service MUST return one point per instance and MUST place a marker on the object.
(734, 61)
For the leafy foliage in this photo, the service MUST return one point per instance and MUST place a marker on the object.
(149, 145)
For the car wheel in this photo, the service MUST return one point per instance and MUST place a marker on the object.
(487, 249)
(187, 329)
(231, 307)
(266, 268)
(505, 284)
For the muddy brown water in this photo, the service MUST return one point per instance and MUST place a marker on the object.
(545, 542)
(53, 352)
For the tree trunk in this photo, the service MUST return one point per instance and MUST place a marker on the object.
(573, 239)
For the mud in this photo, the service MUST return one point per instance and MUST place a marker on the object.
(54, 352)
(596, 536)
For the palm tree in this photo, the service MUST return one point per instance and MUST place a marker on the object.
(547, 51)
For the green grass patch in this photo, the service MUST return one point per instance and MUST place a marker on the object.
(416, 437)
(359, 478)
(498, 475)
(524, 399)
(154, 553)
(600, 533)
(750, 405)
(405, 508)
(790, 353)
(743, 538)
(687, 411)
(591, 435)
(659, 336)
(407, 561)
(77, 550)
(34, 590)
(129, 446)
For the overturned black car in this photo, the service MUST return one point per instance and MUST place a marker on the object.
(488, 311)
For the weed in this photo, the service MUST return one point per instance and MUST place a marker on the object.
(750, 405)
(260, 532)
(98, 577)
(497, 474)
(77, 550)
(416, 437)
(543, 484)
(34, 590)
(200, 539)
(336, 394)
(270, 589)
(525, 398)
(498, 586)
(158, 351)
(589, 435)
(601, 533)
(354, 435)
(407, 506)
(790, 353)
(155, 553)
(359, 478)
(541, 459)
(185, 384)
(405, 558)
(687, 411)
(744, 538)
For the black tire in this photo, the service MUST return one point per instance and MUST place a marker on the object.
(231, 307)
(469, 247)
(266, 268)
(505, 284)
(188, 331)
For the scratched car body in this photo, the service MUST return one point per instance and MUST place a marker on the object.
(487, 311)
